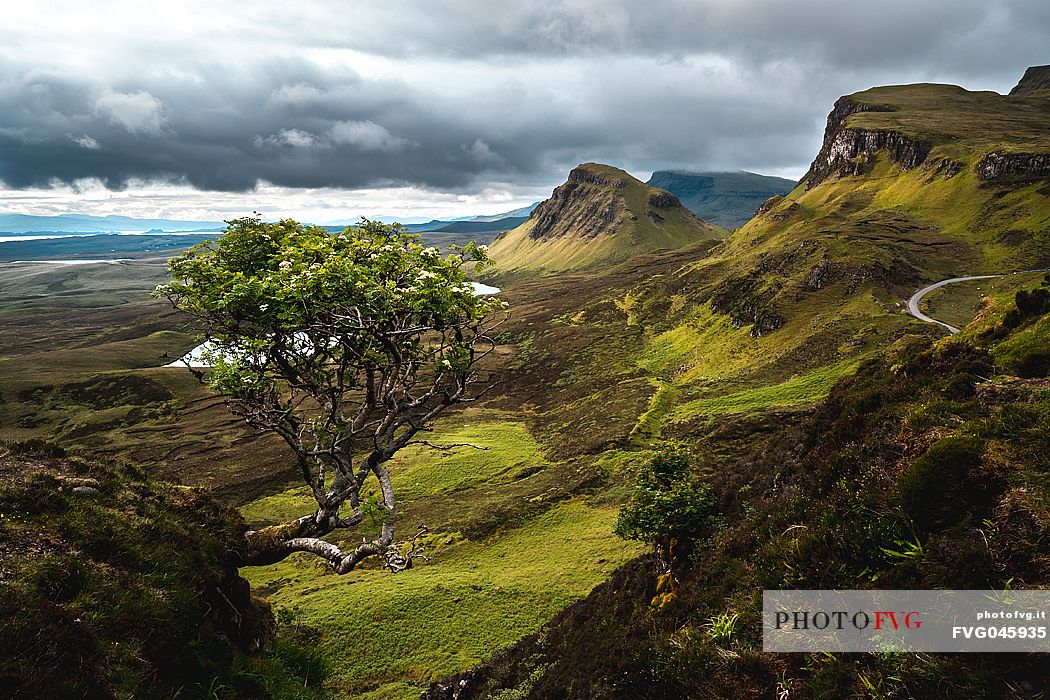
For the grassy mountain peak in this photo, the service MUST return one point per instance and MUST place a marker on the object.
(599, 216)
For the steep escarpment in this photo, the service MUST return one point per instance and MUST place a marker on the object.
(727, 199)
(912, 184)
(600, 216)
(587, 205)
(1034, 78)
(848, 151)
(995, 166)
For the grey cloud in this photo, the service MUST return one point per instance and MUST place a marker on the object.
(673, 83)
(851, 33)
(215, 135)
(140, 113)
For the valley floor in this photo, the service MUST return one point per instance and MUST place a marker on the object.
(518, 531)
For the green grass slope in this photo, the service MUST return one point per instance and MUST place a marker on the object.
(600, 216)
(727, 349)
(925, 469)
(507, 552)
(906, 190)
(116, 586)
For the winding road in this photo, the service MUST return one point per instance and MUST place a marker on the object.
(913, 303)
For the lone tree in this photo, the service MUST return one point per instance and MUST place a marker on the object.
(347, 346)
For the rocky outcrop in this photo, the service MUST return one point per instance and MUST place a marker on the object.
(781, 213)
(663, 200)
(1034, 78)
(584, 175)
(820, 275)
(944, 168)
(742, 301)
(592, 203)
(846, 151)
(599, 216)
(769, 205)
(996, 165)
(586, 205)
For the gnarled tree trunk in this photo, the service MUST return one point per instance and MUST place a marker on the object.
(274, 543)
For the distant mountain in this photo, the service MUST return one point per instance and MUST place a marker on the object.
(523, 212)
(728, 199)
(600, 215)
(432, 225)
(483, 225)
(83, 223)
(499, 222)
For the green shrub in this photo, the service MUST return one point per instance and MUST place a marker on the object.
(667, 502)
(1028, 303)
(1033, 364)
(933, 489)
(721, 628)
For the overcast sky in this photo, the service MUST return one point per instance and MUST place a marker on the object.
(329, 110)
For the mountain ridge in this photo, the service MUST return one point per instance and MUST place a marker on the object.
(600, 215)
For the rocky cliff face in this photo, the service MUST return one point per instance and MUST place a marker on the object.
(588, 204)
(996, 165)
(1035, 78)
(600, 215)
(846, 151)
(593, 202)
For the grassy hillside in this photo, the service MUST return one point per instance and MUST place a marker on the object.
(600, 216)
(816, 282)
(926, 469)
(510, 545)
(981, 183)
(118, 586)
(726, 347)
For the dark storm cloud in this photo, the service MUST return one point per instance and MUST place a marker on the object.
(502, 94)
(861, 34)
(287, 124)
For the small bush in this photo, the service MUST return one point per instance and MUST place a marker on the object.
(1033, 365)
(721, 628)
(1028, 303)
(667, 502)
(932, 490)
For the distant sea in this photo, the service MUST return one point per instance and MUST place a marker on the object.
(62, 246)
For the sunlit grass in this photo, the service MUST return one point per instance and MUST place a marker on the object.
(808, 388)
(440, 618)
